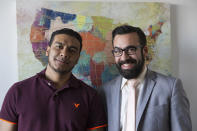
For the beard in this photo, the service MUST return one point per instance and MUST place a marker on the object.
(135, 71)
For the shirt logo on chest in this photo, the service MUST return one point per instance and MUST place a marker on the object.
(76, 106)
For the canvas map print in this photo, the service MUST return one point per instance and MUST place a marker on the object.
(95, 22)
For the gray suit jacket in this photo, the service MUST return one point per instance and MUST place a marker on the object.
(162, 106)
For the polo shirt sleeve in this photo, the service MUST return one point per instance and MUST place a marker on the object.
(97, 115)
(8, 109)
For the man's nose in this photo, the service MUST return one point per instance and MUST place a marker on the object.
(64, 53)
(124, 56)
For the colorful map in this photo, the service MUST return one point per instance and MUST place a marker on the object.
(96, 63)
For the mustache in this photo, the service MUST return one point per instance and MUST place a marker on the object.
(127, 61)
(62, 59)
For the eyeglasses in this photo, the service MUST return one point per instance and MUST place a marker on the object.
(130, 50)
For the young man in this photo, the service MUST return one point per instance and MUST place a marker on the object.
(140, 99)
(54, 100)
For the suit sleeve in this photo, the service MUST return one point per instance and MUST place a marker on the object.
(180, 109)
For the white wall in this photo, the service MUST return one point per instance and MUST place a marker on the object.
(184, 46)
(186, 41)
(8, 46)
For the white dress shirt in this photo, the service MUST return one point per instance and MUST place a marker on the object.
(124, 95)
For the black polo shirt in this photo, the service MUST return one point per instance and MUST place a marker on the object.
(35, 104)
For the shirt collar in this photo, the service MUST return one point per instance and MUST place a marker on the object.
(72, 81)
(140, 78)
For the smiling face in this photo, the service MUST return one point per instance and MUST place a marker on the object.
(129, 66)
(63, 54)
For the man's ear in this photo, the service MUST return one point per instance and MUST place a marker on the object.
(145, 50)
(47, 51)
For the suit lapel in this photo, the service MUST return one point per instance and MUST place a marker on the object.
(145, 95)
(115, 98)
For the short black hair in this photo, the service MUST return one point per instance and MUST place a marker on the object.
(125, 29)
(69, 32)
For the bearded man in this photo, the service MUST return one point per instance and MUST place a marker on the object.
(140, 99)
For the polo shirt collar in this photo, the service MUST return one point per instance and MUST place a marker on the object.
(71, 83)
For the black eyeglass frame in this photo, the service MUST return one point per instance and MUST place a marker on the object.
(126, 50)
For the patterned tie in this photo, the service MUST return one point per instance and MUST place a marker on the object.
(131, 109)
